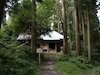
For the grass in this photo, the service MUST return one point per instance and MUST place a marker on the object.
(54, 56)
(68, 68)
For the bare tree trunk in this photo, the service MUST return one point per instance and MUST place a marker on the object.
(88, 32)
(78, 44)
(73, 27)
(83, 26)
(68, 31)
(65, 41)
(58, 26)
(2, 4)
(33, 29)
(68, 22)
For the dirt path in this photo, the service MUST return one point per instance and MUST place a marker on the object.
(87, 74)
(48, 68)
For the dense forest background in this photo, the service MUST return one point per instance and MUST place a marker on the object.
(76, 19)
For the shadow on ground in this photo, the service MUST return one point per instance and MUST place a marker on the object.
(48, 65)
(49, 68)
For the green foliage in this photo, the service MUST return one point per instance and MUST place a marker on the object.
(64, 58)
(67, 56)
(79, 61)
(71, 36)
(21, 17)
(44, 12)
(67, 68)
(96, 71)
(96, 52)
(70, 64)
(15, 60)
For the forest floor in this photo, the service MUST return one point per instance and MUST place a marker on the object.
(49, 68)
(48, 65)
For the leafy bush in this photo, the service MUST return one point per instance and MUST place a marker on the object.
(64, 58)
(67, 68)
(79, 61)
(96, 71)
(16, 60)
(67, 56)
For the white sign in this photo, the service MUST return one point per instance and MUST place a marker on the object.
(39, 50)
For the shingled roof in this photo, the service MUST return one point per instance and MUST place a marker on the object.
(53, 35)
(24, 36)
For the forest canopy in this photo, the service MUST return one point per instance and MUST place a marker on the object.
(76, 20)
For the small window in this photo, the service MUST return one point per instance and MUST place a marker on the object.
(44, 50)
(52, 45)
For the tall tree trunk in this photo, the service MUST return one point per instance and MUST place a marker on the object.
(58, 26)
(73, 27)
(2, 4)
(65, 41)
(68, 22)
(78, 44)
(68, 31)
(33, 29)
(88, 32)
(83, 27)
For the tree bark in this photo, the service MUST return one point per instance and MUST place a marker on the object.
(83, 27)
(68, 22)
(33, 29)
(78, 44)
(65, 41)
(2, 4)
(88, 32)
(58, 26)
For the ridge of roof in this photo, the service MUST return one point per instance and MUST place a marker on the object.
(53, 35)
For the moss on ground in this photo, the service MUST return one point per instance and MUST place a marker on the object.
(68, 68)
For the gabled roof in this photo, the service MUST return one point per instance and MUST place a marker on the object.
(24, 36)
(53, 35)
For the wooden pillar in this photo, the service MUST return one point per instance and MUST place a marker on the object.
(56, 47)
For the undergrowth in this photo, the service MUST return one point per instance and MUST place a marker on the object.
(70, 64)
(96, 71)
(15, 60)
